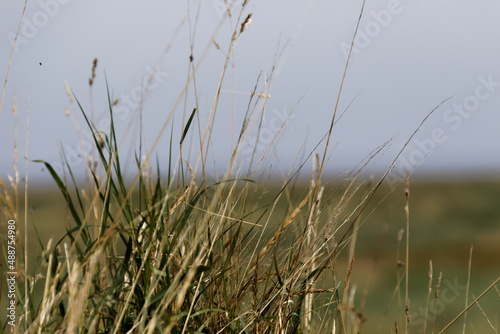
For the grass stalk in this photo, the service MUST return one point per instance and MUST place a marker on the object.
(407, 264)
(12, 54)
(468, 285)
(470, 305)
(436, 294)
(429, 291)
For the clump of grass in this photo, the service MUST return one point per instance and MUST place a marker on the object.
(184, 255)
(180, 254)
(199, 257)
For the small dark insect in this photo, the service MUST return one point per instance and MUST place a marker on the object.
(40, 63)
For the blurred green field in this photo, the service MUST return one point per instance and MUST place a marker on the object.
(446, 219)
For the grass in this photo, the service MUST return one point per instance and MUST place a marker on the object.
(170, 251)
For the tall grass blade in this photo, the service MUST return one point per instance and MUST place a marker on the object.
(188, 124)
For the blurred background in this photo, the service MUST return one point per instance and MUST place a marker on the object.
(408, 57)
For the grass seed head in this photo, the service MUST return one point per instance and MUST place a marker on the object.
(246, 23)
(94, 66)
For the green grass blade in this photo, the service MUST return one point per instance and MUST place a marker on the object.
(188, 124)
(64, 191)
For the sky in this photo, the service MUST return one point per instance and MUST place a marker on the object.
(408, 57)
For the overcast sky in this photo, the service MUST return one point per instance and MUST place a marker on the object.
(409, 56)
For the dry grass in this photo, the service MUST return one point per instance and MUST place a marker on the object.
(178, 254)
